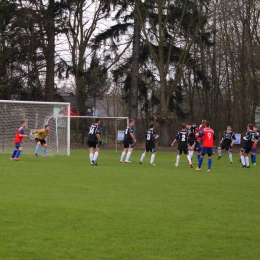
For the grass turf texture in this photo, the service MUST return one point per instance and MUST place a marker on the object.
(62, 208)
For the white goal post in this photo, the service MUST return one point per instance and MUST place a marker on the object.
(37, 115)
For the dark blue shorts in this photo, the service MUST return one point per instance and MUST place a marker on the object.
(253, 150)
(198, 147)
(17, 145)
(207, 150)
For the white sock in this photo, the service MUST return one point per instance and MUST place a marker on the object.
(247, 161)
(91, 157)
(128, 156)
(188, 157)
(95, 156)
(242, 160)
(219, 152)
(230, 157)
(177, 160)
(191, 154)
(122, 156)
(152, 158)
(142, 157)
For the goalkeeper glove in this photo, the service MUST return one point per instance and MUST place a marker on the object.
(99, 143)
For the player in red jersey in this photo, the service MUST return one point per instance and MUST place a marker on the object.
(18, 141)
(202, 126)
(208, 136)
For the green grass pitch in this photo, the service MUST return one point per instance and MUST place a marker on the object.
(62, 208)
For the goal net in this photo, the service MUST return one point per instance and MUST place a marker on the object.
(36, 115)
(111, 128)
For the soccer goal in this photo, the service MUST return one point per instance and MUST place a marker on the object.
(37, 115)
(111, 129)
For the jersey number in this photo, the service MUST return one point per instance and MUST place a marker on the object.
(183, 138)
(148, 137)
(91, 130)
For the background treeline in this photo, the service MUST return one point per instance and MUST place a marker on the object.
(169, 61)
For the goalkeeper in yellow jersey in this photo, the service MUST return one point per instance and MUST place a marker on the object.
(40, 135)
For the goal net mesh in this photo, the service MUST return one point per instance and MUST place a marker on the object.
(37, 115)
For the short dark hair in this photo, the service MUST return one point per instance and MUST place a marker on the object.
(97, 120)
(207, 124)
(46, 126)
(250, 126)
(183, 125)
(151, 124)
(23, 122)
(131, 120)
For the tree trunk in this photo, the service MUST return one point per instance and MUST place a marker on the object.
(164, 133)
(50, 48)
(81, 95)
(133, 111)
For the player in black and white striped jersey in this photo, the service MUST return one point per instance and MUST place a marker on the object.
(182, 139)
(94, 141)
(129, 141)
(150, 138)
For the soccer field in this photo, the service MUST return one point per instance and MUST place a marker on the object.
(62, 208)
